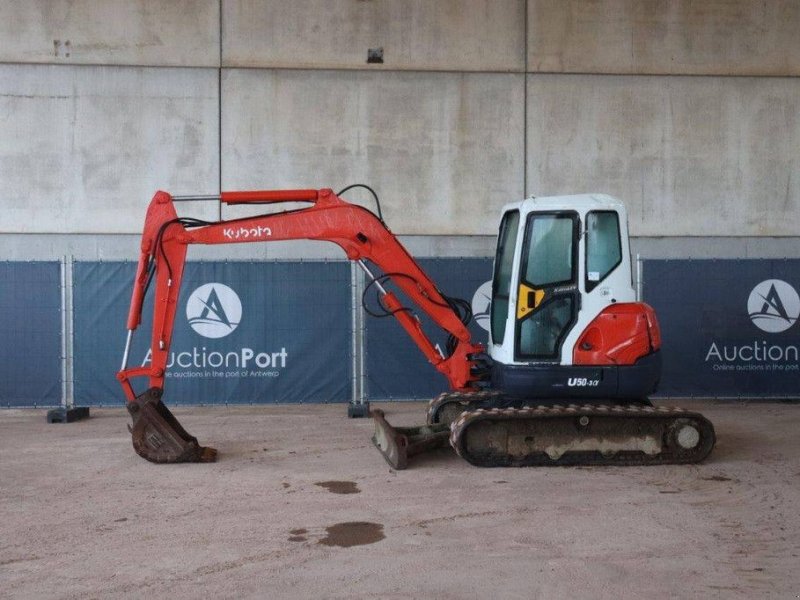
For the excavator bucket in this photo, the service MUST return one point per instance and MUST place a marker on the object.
(159, 437)
(398, 444)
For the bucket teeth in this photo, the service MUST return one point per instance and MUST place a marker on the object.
(158, 436)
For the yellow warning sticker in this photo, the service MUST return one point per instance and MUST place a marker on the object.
(528, 300)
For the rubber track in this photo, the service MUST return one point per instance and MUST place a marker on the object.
(621, 417)
(466, 400)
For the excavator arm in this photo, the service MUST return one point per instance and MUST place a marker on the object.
(157, 435)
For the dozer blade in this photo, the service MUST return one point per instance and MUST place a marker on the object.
(582, 435)
(398, 444)
(159, 437)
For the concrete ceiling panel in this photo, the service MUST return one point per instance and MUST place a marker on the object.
(676, 37)
(445, 35)
(444, 151)
(710, 156)
(83, 149)
(181, 33)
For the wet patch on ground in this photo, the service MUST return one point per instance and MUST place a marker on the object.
(716, 478)
(354, 533)
(339, 487)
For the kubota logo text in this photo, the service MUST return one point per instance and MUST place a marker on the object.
(245, 233)
(214, 310)
(773, 306)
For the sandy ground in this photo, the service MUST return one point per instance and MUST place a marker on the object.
(81, 516)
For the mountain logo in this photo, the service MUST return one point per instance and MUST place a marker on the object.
(481, 303)
(214, 310)
(773, 306)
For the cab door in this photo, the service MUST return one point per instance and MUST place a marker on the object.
(548, 298)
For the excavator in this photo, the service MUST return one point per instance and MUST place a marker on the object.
(571, 360)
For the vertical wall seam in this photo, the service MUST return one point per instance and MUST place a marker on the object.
(219, 114)
(525, 112)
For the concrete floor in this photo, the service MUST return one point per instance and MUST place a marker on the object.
(81, 516)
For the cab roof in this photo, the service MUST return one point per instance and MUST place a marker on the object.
(579, 202)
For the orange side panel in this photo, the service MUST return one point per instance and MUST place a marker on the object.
(620, 335)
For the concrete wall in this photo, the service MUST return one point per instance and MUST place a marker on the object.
(698, 156)
(85, 147)
(444, 150)
(444, 35)
(110, 32)
(477, 102)
(675, 37)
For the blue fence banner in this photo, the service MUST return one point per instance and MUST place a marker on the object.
(729, 327)
(245, 332)
(395, 367)
(30, 327)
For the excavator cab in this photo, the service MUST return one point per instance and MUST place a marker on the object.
(564, 318)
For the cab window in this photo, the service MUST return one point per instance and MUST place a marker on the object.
(540, 335)
(501, 285)
(603, 246)
(550, 256)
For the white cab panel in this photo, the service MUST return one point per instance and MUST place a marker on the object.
(599, 223)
